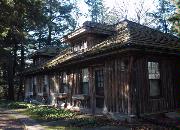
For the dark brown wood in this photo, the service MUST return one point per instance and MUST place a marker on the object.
(126, 91)
(166, 101)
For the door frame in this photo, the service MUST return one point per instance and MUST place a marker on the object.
(92, 87)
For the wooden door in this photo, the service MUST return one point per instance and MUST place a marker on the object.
(99, 87)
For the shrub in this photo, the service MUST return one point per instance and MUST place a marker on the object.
(44, 112)
(82, 122)
(19, 105)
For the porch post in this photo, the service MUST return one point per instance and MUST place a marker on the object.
(92, 90)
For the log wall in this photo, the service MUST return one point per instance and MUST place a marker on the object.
(126, 90)
(116, 86)
(142, 103)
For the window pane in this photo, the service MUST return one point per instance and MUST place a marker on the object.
(85, 88)
(85, 45)
(85, 76)
(99, 78)
(64, 77)
(45, 80)
(66, 90)
(154, 88)
(85, 79)
(153, 70)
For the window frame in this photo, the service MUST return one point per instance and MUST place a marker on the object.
(64, 83)
(158, 79)
(86, 82)
(99, 78)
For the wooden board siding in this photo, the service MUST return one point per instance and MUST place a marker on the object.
(116, 86)
(177, 82)
(143, 103)
(73, 84)
(126, 90)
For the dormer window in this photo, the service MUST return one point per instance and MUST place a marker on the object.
(84, 45)
(76, 48)
(80, 46)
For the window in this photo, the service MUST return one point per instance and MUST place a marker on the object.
(54, 83)
(80, 46)
(85, 45)
(154, 79)
(99, 78)
(99, 86)
(65, 83)
(39, 84)
(35, 80)
(30, 84)
(45, 80)
(85, 81)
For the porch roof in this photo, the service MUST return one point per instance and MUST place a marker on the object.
(127, 35)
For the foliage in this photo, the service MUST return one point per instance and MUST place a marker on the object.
(26, 25)
(164, 10)
(17, 18)
(61, 128)
(14, 105)
(96, 10)
(175, 18)
(92, 121)
(19, 105)
(49, 113)
(58, 21)
(81, 122)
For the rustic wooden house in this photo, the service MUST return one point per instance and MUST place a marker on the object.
(125, 68)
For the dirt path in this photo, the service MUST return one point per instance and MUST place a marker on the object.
(8, 123)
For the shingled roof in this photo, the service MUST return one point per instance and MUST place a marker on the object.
(89, 27)
(127, 35)
(46, 51)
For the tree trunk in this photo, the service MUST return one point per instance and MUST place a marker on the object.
(49, 24)
(11, 72)
(10, 81)
(49, 35)
(20, 91)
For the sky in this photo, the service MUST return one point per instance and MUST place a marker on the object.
(130, 4)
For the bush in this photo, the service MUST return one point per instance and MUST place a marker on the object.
(92, 122)
(47, 113)
(82, 122)
(19, 105)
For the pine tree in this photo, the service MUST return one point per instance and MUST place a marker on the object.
(96, 10)
(164, 10)
(17, 18)
(175, 19)
(58, 21)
